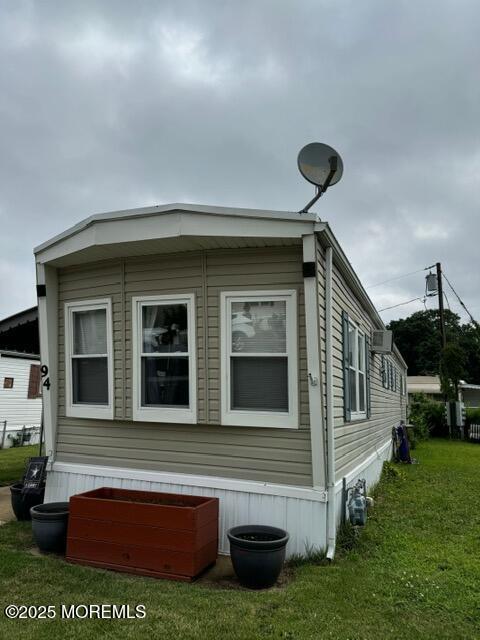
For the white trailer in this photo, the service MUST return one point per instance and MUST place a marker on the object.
(20, 397)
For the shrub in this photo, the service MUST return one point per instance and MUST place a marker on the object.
(472, 415)
(391, 472)
(427, 417)
(347, 536)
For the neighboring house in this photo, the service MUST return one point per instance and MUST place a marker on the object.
(431, 387)
(20, 396)
(470, 394)
(216, 351)
(428, 385)
(20, 332)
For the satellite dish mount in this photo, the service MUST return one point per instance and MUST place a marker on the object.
(322, 166)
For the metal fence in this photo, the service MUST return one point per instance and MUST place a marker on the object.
(16, 436)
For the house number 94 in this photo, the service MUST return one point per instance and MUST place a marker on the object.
(44, 372)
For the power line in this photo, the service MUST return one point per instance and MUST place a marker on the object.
(472, 319)
(404, 275)
(446, 299)
(400, 304)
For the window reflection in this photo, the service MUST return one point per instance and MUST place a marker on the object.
(259, 327)
(164, 328)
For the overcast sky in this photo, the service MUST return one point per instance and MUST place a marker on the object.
(109, 105)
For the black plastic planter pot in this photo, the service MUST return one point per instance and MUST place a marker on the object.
(258, 554)
(23, 502)
(49, 525)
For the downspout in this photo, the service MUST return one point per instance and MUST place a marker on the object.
(331, 510)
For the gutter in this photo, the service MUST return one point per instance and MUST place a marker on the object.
(330, 436)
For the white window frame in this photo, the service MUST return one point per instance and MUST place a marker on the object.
(244, 418)
(99, 411)
(355, 370)
(164, 414)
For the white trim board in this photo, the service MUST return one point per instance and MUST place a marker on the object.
(48, 333)
(315, 386)
(213, 482)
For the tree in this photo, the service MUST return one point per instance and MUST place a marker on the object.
(452, 369)
(418, 338)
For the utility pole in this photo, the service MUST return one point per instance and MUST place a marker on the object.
(448, 406)
(440, 305)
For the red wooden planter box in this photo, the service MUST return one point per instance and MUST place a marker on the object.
(164, 535)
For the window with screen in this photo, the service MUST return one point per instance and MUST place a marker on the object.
(88, 348)
(164, 370)
(259, 359)
(356, 374)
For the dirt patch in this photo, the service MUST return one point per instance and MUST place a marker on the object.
(222, 576)
(6, 512)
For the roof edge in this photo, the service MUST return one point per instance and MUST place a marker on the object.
(179, 207)
(4, 353)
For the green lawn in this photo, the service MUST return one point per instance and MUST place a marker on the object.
(12, 463)
(414, 573)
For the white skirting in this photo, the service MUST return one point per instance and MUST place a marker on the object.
(370, 470)
(299, 510)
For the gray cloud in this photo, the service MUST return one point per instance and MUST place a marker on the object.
(111, 104)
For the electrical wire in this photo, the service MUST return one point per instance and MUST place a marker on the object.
(400, 304)
(411, 273)
(472, 319)
(446, 300)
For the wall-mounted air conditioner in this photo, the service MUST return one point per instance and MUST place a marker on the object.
(382, 341)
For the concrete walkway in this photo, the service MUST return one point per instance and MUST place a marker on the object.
(6, 512)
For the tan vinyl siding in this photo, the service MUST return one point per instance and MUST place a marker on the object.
(356, 440)
(264, 454)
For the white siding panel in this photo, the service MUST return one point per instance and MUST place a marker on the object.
(15, 406)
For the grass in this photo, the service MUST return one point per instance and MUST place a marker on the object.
(413, 573)
(12, 463)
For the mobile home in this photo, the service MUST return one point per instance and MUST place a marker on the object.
(20, 398)
(214, 351)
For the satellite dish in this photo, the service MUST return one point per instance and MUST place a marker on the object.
(321, 165)
(314, 163)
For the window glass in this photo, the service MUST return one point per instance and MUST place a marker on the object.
(259, 363)
(259, 383)
(90, 380)
(356, 370)
(259, 327)
(361, 392)
(164, 328)
(165, 359)
(165, 382)
(353, 391)
(351, 345)
(361, 352)
(90, 332)
(88, 344)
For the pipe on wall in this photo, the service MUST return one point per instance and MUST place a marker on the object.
(331, 510)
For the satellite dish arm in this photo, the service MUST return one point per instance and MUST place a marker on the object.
(333, 161)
